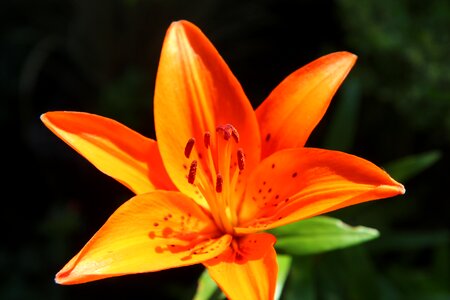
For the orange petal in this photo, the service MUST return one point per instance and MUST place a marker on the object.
(196, 92)
(150, 232)
(293, 109)
(295, 184)
(248, 270)
(114, 149)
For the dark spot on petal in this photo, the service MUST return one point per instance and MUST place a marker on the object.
(273, 166)
(277, 196)
(270, 190)
(268, 137)
(151, 235)
(294, 174)
(156, 224)
(159, 249)
(259, 191)
(264, 183)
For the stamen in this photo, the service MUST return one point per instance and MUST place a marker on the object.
(219, 183)
(241, 159)
(226, 134)
(228, 131)
(207, 139)
(189, 147)
(235, 134)
(192, 172)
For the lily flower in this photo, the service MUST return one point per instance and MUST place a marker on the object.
(220, 173)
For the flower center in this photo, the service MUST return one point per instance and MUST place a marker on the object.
(215, 169)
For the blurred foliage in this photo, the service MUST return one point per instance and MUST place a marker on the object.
(413, 36)
(101, 57)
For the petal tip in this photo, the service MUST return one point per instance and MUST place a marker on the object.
(348, 57)
(61, 277)
(43, 117)
(401, 189)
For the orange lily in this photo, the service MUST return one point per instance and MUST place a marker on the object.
(220, 173)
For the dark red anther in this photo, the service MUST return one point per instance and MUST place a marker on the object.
(189, 147)
(241, 159)
(222, 130)
(234, 134)
(228, 131)
(219, 183)
(207, 139)
(192, 172)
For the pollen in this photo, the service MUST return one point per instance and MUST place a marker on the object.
(189, 146)
(228, 131)
(207, 139)
(241, 159)
(219, 183)
(192, 172)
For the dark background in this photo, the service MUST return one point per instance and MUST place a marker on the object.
(102, 56)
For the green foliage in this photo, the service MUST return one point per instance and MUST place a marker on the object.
(284, 268)
(413, 36)
(407, 167)
(207, 288)
(344, 122)
(320, 234)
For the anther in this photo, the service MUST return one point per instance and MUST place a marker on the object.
(228, 131)
(207, 139)
(241, 159)
(235, 134)
(192, 172)
(219, 183)
(189, 147)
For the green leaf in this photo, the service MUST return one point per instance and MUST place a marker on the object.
(206, 287)
(320, 234)
(284, 266)
(407, 167)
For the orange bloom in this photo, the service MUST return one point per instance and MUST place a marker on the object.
(220, 173)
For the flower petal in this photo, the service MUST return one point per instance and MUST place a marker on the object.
(249, 272)
(296, 184)
(113, 148)
(293, 109)
(150, 232)
(196, 92)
